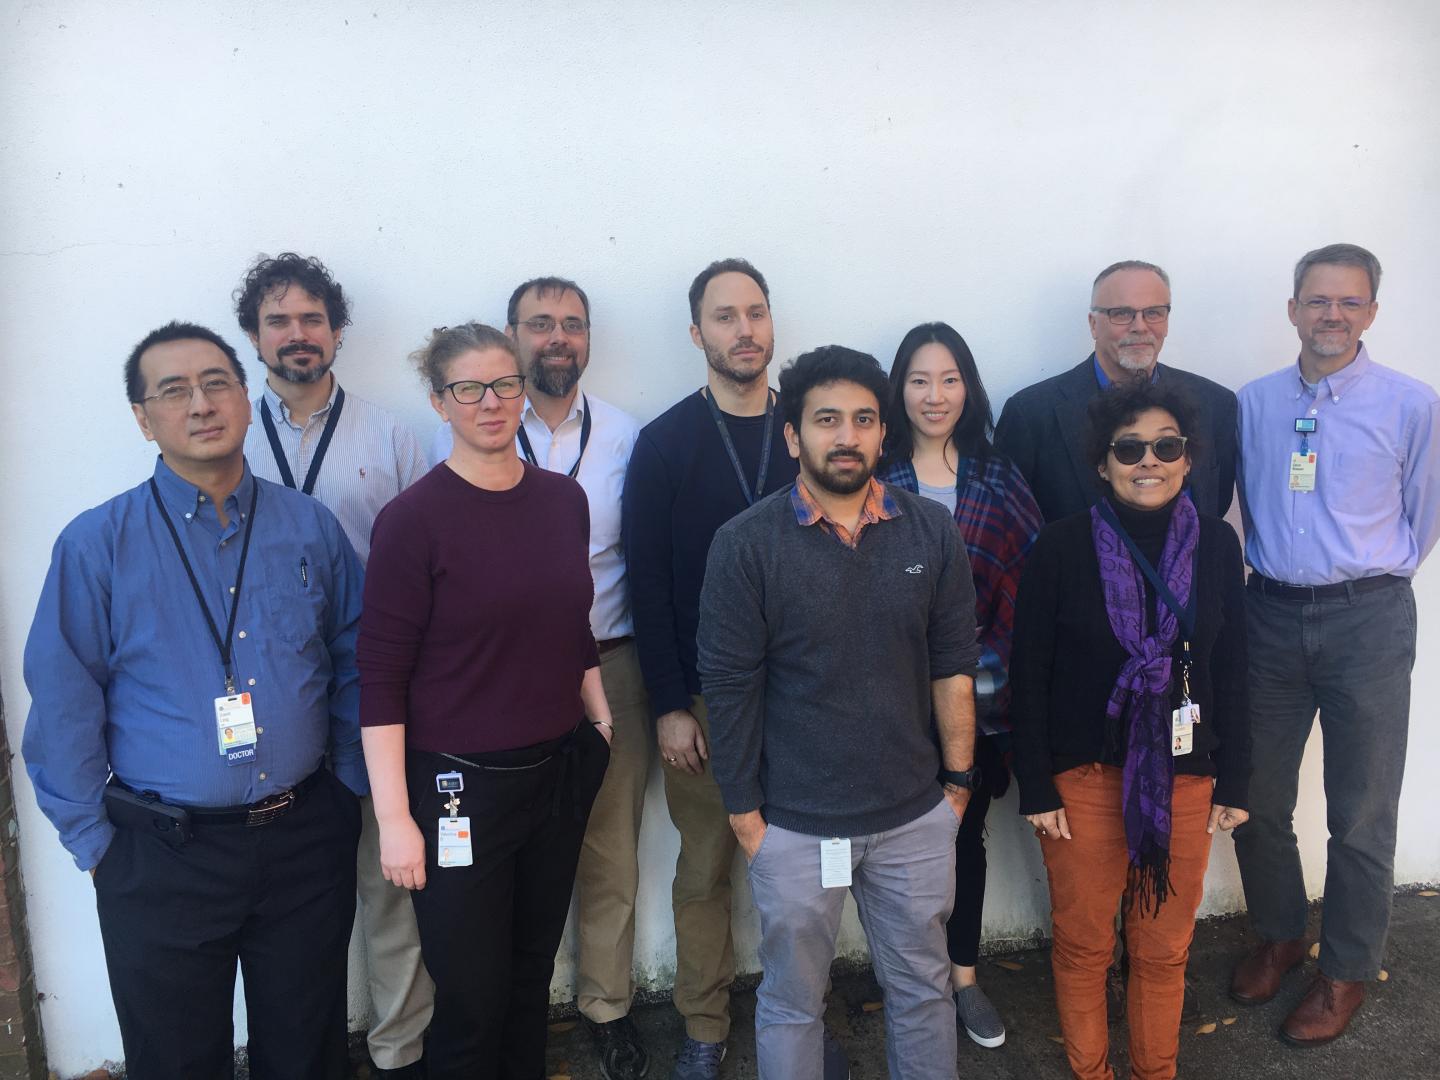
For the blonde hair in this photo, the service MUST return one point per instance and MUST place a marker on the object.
(432, 360)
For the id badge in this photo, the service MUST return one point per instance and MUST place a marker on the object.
(1302, 472)
(454, 846)
(235, 728)
(1182, 729)
(835, 864)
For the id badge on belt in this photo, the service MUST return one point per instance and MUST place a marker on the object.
(235, 728)
(453, 842)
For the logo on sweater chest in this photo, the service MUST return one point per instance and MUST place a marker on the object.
(918, 568)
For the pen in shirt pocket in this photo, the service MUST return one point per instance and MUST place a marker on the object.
(304, 572)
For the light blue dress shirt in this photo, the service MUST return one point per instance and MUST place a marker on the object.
(1376, 504)
(123, 672)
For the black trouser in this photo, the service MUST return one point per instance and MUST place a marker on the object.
(489, 931)
(279, 898)
(962, 931)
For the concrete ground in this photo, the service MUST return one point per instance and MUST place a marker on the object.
(1395, 1036)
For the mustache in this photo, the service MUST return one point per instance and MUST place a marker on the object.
(844, 455)
(295, 350)
(1137, 339)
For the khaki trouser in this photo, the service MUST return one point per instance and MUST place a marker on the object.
(609, 871)
(704, 948)
(401, 993)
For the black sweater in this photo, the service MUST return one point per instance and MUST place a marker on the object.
(1065, 659)
(680, 488)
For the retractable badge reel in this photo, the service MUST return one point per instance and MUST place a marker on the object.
(1302, 464)
(1184, 719)
(454, 837)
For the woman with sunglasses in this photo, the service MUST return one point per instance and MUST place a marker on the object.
(938, 445)
(486, 730)
(1132, 735)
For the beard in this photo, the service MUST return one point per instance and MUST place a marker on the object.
(838, 483)
(552, 380)
(1125, 353)
(1331, 341)
(310, 374)
(720, 362)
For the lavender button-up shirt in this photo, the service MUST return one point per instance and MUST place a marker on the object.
(1376, 504)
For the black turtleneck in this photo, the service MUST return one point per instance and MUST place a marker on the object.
(1148, 528)
(1065, 658)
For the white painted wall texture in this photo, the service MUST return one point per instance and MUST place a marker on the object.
(883, 164)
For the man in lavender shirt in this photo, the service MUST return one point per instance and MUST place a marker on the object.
(1340, 491)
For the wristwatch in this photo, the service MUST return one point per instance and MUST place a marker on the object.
(969, 779)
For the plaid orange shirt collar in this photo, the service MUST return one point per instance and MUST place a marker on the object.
(879, 506)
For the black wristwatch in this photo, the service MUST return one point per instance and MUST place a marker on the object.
(969, 779)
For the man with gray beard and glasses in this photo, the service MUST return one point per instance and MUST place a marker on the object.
(1042, 426)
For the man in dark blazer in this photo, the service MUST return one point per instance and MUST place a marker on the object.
(1042, 427)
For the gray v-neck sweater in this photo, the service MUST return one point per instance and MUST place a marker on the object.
(816, 661)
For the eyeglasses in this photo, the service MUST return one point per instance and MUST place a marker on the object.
(1351, 305)
(544, 324)
(177, 396)
(1124, 316)
(1167, 448)
(472, 391)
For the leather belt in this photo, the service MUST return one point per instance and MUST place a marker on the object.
(611, 644)
(257, 813)
(1311, 594)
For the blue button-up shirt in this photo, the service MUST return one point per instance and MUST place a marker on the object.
(123, 672)
(1376, 504)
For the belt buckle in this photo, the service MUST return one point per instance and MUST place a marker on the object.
(270, 809)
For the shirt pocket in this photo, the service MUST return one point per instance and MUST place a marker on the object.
(294, 605)
(1367, 482)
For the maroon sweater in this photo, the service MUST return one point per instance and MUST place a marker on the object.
(476, 627)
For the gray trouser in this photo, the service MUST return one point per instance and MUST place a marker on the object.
(1350, 658)
(904, 886)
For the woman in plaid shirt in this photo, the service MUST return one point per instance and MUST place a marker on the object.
(938, 443)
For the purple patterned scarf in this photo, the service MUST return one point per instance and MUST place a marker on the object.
(1142, 689)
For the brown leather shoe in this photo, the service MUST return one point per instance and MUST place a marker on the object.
(1257, 978)
(1323, 1012)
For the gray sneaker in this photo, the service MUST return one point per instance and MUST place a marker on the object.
(978, 1017)
(698, 1060)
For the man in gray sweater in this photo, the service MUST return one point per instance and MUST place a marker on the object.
(837, 617)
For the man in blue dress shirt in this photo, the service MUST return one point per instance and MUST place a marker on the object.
(192, 668)
(1340, 489)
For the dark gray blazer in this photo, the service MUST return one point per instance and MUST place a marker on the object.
(1042, 429)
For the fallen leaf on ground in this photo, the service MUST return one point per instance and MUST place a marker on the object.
(562, 1027)
(1206, 1029)
(560, 1076)
(1228, 1021)
(1010, 965)
(1057, 1039)
(1427, 892)
(1315, 951)
(872, 1006)
(1384, 975)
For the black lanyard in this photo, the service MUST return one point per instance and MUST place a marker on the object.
(750, 496)
(529, 450)
(325, 436)
(1186, 613)
(221, 644)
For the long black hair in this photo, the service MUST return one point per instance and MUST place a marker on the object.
(976, 426)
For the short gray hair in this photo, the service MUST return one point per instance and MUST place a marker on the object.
(1128, 264)
(432, 359)
(1339, 255)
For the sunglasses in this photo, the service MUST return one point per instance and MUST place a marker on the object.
(1167, 448)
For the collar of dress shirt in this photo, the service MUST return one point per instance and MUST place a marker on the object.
(280, 409)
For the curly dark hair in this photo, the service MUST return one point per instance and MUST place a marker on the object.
(1112, 409)
(279, 273)
(825, 365)
(174, 330)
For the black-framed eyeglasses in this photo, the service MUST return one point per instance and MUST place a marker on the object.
(472, 391)
(544, 324)
(1167, 448)
(1350, 305)
(179, 395)
(1124, 316)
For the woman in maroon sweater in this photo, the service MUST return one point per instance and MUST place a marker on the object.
(486, 730)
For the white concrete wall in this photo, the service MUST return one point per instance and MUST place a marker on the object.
(882, 163)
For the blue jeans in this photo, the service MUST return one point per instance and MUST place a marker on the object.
(904, 885)
(1350, 658)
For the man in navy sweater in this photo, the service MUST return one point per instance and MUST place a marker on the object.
(835, 619)
(694, 467)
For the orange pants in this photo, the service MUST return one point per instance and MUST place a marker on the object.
(1088, 877)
